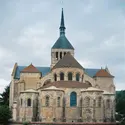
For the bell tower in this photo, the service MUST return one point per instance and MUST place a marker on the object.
(62, 45)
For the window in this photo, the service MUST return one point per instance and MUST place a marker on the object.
(82, 78)
(73, 99)
(61, 76)
(55, 77)
(47, 101)
(108, 103)
(77, 77)
(58, 101)
(69, 76)
(28, 102)
(64, 53)
(87, 102)
(57, 55)
(60, 55)
(99, 101)
(21, 102)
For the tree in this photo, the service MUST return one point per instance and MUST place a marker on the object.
(4, 97)
(120, 107)
(5, 114)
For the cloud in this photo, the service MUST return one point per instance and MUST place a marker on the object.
(96, 29)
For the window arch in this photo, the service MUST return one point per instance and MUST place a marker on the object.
(69, 76)
(57, 55)
(60, 55)
(58, 101)
(73, 99)
(55, 77)
(77, 77)
(29, 102)
(87, 102)
(61, 76)
(99, 101)
(47, 101)
(108, 103)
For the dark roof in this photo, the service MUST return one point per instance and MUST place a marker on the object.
(30, 69)
(62, 43)
(91, 72)
(103, 73)
(43, 71)
(67, 84)
(68, 61)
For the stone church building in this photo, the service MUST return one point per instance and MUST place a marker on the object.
(65, 91)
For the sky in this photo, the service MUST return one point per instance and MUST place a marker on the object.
(95, 28)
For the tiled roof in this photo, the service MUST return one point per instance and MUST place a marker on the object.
(30, 69)
(103, 73)
(68, 61)
(62, 43)
(43, 71)
(67, 84)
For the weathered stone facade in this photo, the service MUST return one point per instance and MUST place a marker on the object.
(63, 92)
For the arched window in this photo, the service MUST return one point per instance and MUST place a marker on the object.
(64, 53)
(47, 101)
(21, 102)
(61, 76)
(55, 77)
(58, 101)
(73, 99)
(77, 76)
(87, 102)
(57, 55)
(69, 76)
(99, 101)
(108, 103)
(60, 55)
(29, 102)
(82, 78)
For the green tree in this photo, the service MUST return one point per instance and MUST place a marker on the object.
(120, 106)
(5, 114)
(4, 97)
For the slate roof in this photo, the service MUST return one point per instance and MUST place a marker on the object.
(30, 69)
(67, 84)
(62, 43)
(68, 61)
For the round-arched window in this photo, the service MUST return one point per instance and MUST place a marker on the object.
(77, 77)
(73, 99)
(55, 77)
(69, 76)
(61, 76)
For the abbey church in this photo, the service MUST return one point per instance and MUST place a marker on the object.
(65, 91)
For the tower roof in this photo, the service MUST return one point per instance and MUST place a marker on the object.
(62, 42)
(68, 61)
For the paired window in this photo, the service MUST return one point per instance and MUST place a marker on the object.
(29, 102)
(73, 99)
(47, 101)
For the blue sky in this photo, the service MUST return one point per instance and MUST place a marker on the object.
(96, 29)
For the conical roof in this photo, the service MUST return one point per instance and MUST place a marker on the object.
(30, 69)
(62, 43)
(68, 61)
